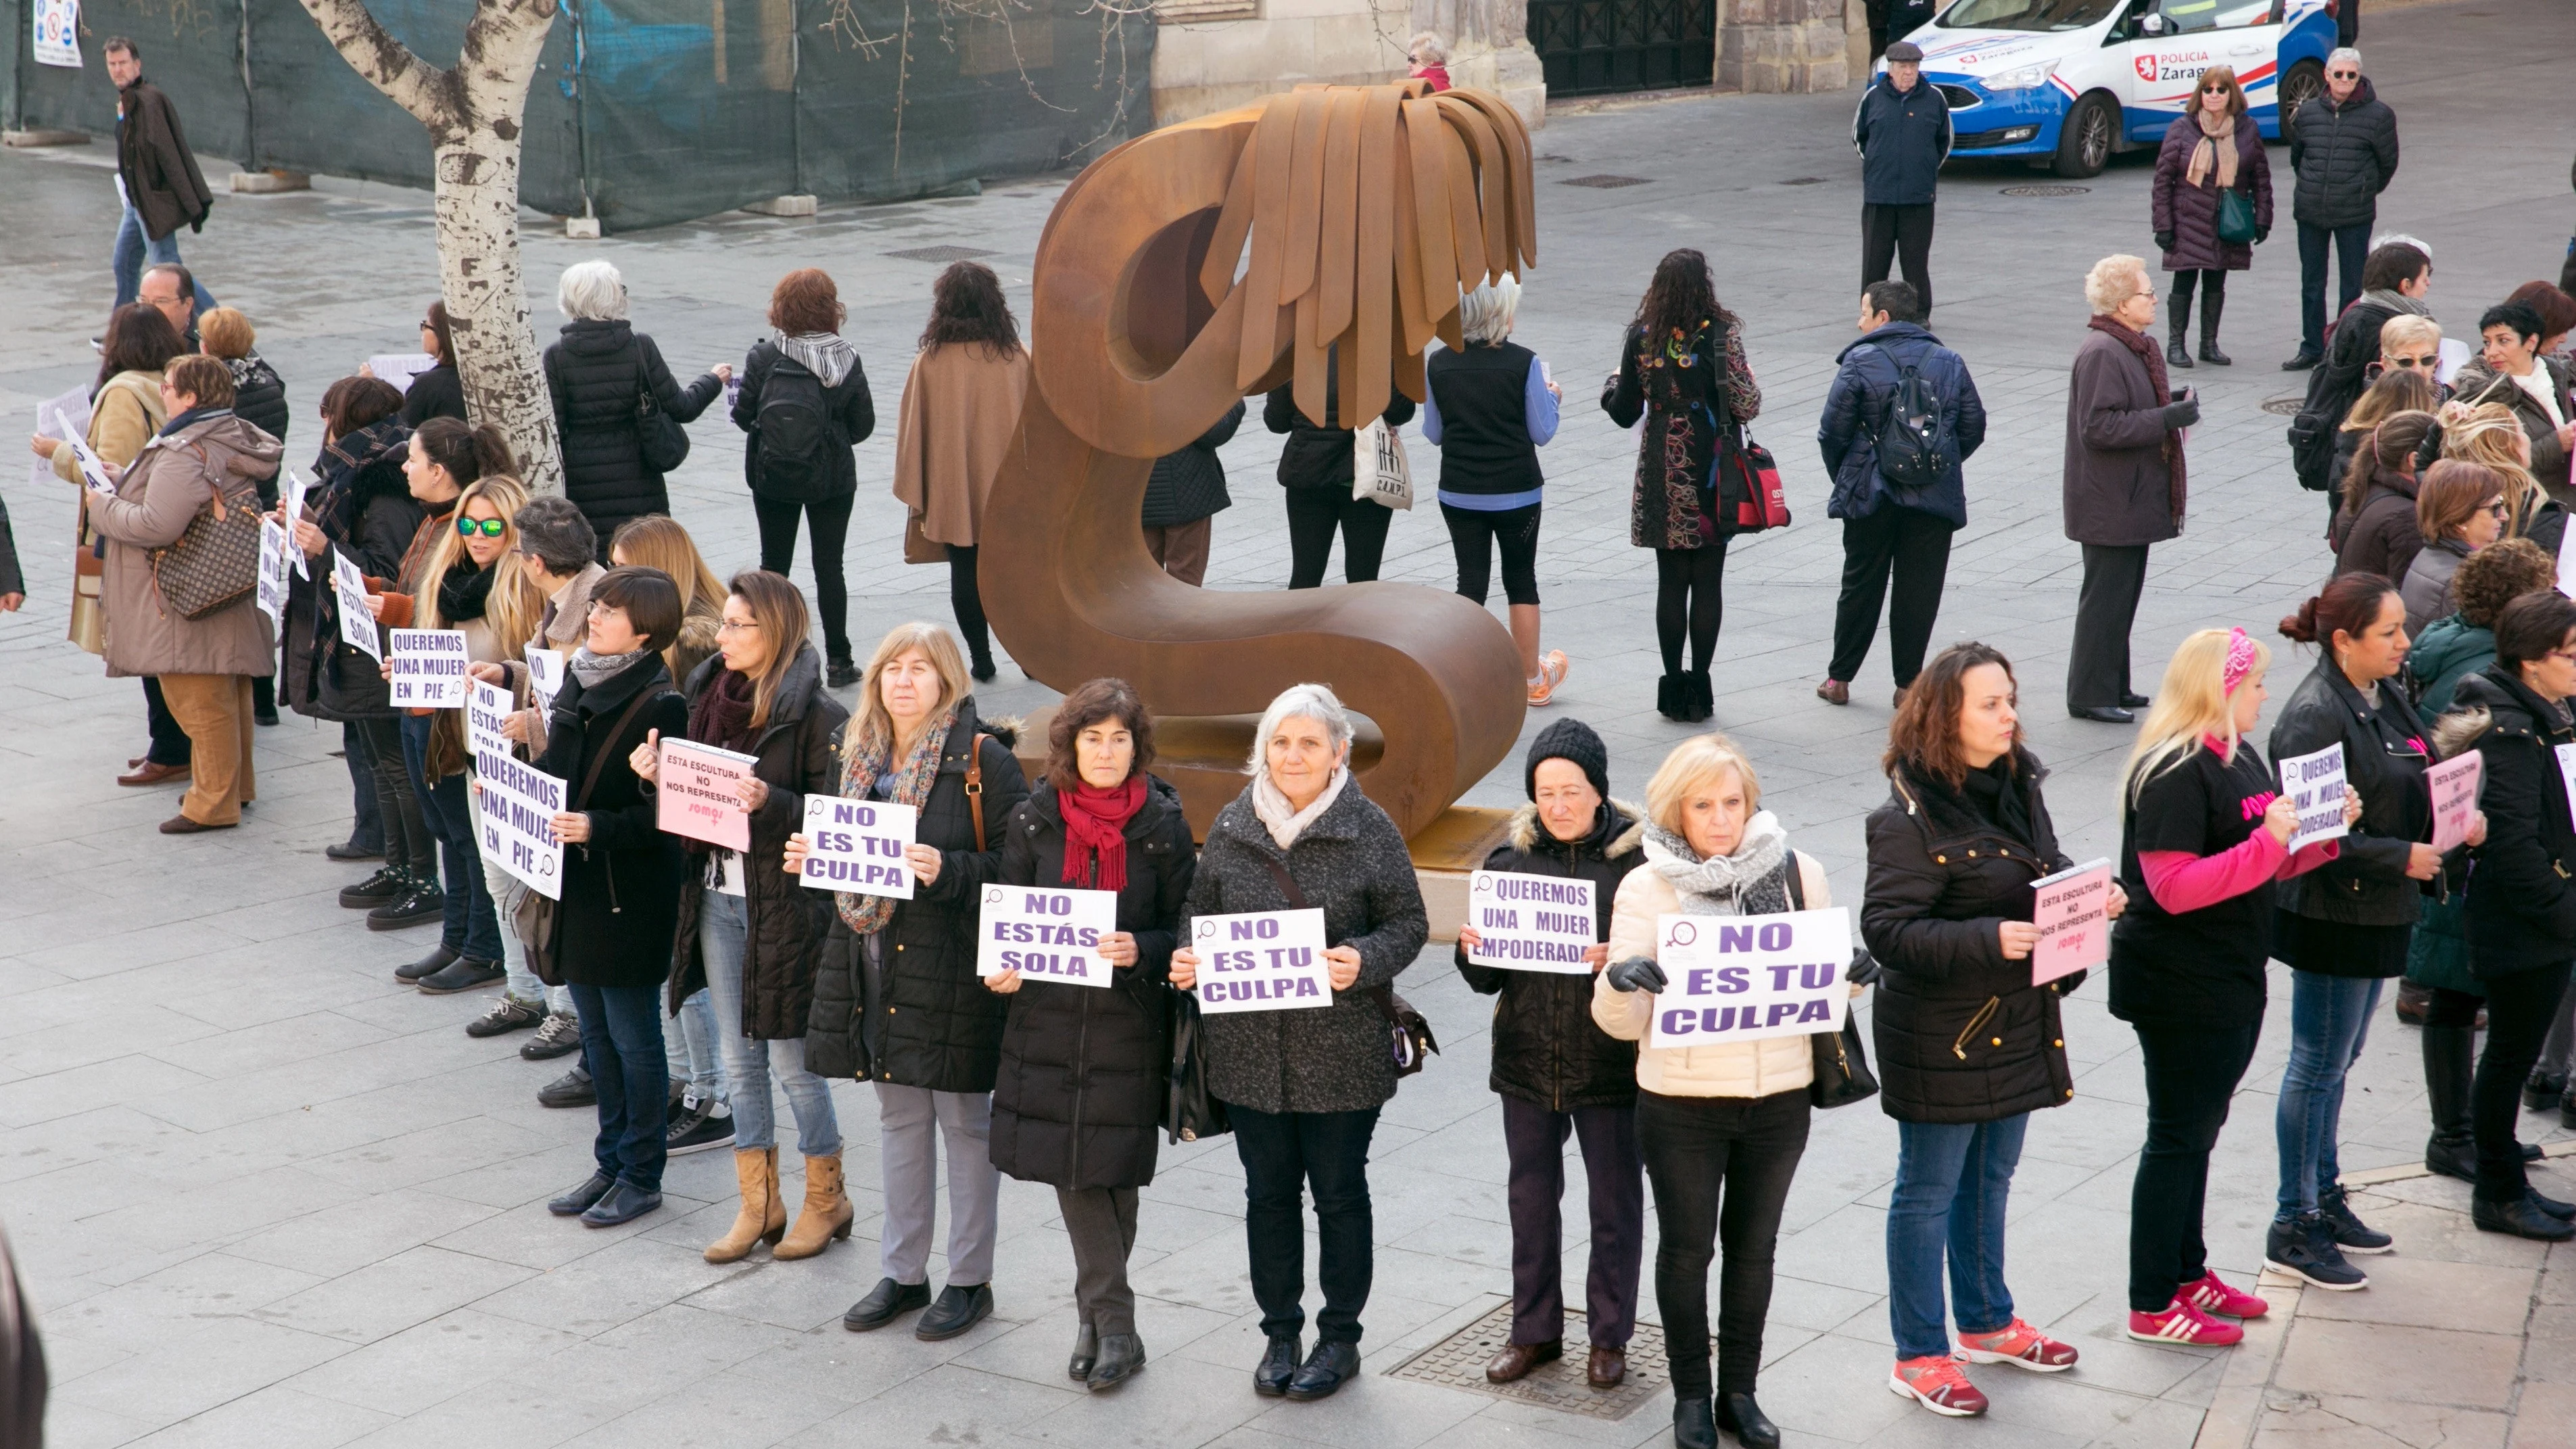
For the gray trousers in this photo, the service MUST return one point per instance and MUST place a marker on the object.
(1101, 1221)
(908, 1119)
(2560, 1046)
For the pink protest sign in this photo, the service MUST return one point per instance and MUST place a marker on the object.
(2455, 784)
(2073, 912)
(696, 786)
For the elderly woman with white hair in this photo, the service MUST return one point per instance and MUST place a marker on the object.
(1303, 1086)
(1491, 408)
(617, 410)
(2124, 480)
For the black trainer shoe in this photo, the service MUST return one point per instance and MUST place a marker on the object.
(580, 1199)
(507, 1015)
(2543, 1090)
(420, 903)
(354, 849)
(2305, 1249)
(2350, 1233)
(2522, 1219)
(463, 974)
(572, 1089)
(374, 891)
(697, 1127)
(438, 958)
(885, 1303)
(960, 1306)
(560, 1036)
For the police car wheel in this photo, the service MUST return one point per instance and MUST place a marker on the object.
(2085, 138)
(2305, 82)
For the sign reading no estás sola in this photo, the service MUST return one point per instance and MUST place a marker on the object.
(357, 626)
(1742, 978)
(1047, 934)
(857, 846)
(1530, 922)
(1261, 961)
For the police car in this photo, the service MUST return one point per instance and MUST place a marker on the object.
(2073, 81)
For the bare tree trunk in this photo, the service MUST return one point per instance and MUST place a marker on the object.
(473, 114)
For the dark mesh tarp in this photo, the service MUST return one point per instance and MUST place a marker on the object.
(650, 111)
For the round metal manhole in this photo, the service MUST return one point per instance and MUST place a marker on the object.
(2284, 407)
(2046, 190)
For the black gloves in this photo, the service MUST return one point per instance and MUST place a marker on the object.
(2260, 234)
(2182, 414)
(1637, 973)
(2164, 241)
(1864, 967)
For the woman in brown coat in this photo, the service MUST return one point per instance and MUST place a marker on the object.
(2214, 150)
(961, 405)
(2124, 480)
(203, 456)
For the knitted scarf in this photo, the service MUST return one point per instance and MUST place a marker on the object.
(2144, 348)
(2214, 145)
(1716, 886)
(1284, 821)
(860, 767)
(1095, 829)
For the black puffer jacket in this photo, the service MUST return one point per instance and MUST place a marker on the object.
(2522, 904)
(1350, 862)
(435, 393)
(621, 889)
(1547, 1049)
(849, 416)
(788, 919)
(259, 399)
(595, 374)
(1316, 457)
(1962, 1034)
(1190, 485)
(1079, 1099)
(2384, 757)
(364, 508)
(2345, 154)
(936, 1026)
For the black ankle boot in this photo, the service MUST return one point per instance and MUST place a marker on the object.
(1738, 1415)
(1694, 1427)
(1698, 702)
(1669, 697)
(2450, 1069)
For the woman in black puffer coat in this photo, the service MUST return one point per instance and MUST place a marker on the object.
(1080, 1094)
(598, 374)
(1558, 1072)
(1968, 1047)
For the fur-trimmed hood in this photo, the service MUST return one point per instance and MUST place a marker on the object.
(1624, 837)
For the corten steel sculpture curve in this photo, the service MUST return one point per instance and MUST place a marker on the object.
(1366, 210)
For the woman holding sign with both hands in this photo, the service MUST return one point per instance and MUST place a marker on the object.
(1970, 1043)
(1079, 1098)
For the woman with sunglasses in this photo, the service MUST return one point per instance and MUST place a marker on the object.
(2459, 509)
(2411, 344)
(2212, 163)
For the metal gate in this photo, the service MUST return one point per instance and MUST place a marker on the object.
(1590, 47)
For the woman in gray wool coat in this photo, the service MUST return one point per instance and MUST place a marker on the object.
(1303, 1087)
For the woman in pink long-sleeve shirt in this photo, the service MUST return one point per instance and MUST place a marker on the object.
(2205, 834)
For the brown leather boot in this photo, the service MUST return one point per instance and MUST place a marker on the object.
(763, 1217)
(827, 1213)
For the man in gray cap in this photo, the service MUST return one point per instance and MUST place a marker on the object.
(1902, 131)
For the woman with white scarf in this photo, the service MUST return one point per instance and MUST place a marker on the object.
(804, 401)
(1722, 1121)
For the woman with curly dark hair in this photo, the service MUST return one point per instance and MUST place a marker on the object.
(961, 403)
(1682, 368)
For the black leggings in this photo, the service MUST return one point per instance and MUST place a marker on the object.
(2213, 292)
(1474, 534)
(409, 847)
(2519, 1010)
(1314, 515)
(2190, 1075)
(1690, 590)
(831, 520)
(968, 602)
(1720, 1168)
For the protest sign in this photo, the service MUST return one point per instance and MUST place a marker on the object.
(1261, 961)
(60, 418)
(514, 810)
(2073, 912)
(1530, 922)
(399, 368)
(545, 676)
(2567, 778)
(272, 572)
(92, 468)
(1742, 978)
(486, 706)
(857, 846)
(2455, 784)
(357, 626)
(1050, 933)
(2314, 784)
(293, 501)
(429, 668)
(695, 783)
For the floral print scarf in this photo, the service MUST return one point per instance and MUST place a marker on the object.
(860, 767)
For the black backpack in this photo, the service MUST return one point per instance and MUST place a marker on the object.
(794, 423)
(1916, 448)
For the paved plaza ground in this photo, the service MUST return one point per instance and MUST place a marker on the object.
(263, 1195)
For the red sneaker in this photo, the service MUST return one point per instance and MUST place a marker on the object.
(2020, 1345)
(2210, 1295)
(1937, 1383)
(2182, 1323)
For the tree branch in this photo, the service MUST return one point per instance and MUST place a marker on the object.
(428, 93)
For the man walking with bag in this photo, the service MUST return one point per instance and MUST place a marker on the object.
(1901, 417)
(156, 176)
(1902, 131)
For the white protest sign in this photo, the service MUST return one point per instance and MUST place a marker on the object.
(398, 368)
(857, 846)
(2567, 777)
(1530, 922)
(1742, 978)
(296, 488)
(2566, 567)
(2073, 912)
(57, 34)
(2455, 784)
(357, 626)
(272, 572)
(695, 784)
(486, 706)
(1261, 961)
(429, 668)
(2314, 784)
(1049, 932)
(514, 810)
(93, 469)
(545, 676)
(59, 418)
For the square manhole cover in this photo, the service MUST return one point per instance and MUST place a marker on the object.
(1458, 1362)
(1606, 182)
(941, 254)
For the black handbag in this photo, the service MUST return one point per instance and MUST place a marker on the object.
(1842, 1068)
(1409, 1041)
(663, 442)
(1190, 1111)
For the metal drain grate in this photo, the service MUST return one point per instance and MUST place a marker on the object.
(1458, 1362)
(1606, 183)
(1804, 181)
(2046, 190)
(941, 253)
(2285, 407)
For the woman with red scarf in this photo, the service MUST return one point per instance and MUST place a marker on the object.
(1080, 1095)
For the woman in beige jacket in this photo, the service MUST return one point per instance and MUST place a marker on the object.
(961, 408)
(1722, 1124)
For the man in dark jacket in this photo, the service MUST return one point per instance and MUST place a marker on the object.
(1902, 131)
(1888, 528)
(1183, 498)
(2343, 145)
(156, 175)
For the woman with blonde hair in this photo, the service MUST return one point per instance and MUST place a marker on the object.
(2204, 836)
(2491, 436)
(1721, 1126)
(896, 999)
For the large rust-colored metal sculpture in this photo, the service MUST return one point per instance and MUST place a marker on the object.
(1365, 211)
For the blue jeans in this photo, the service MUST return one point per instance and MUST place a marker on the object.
(135, 250)
(1952, 1184)
(749, 1064)
(689, 1048)
(621, 1043)
(2329, 1021)
(470, 928)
